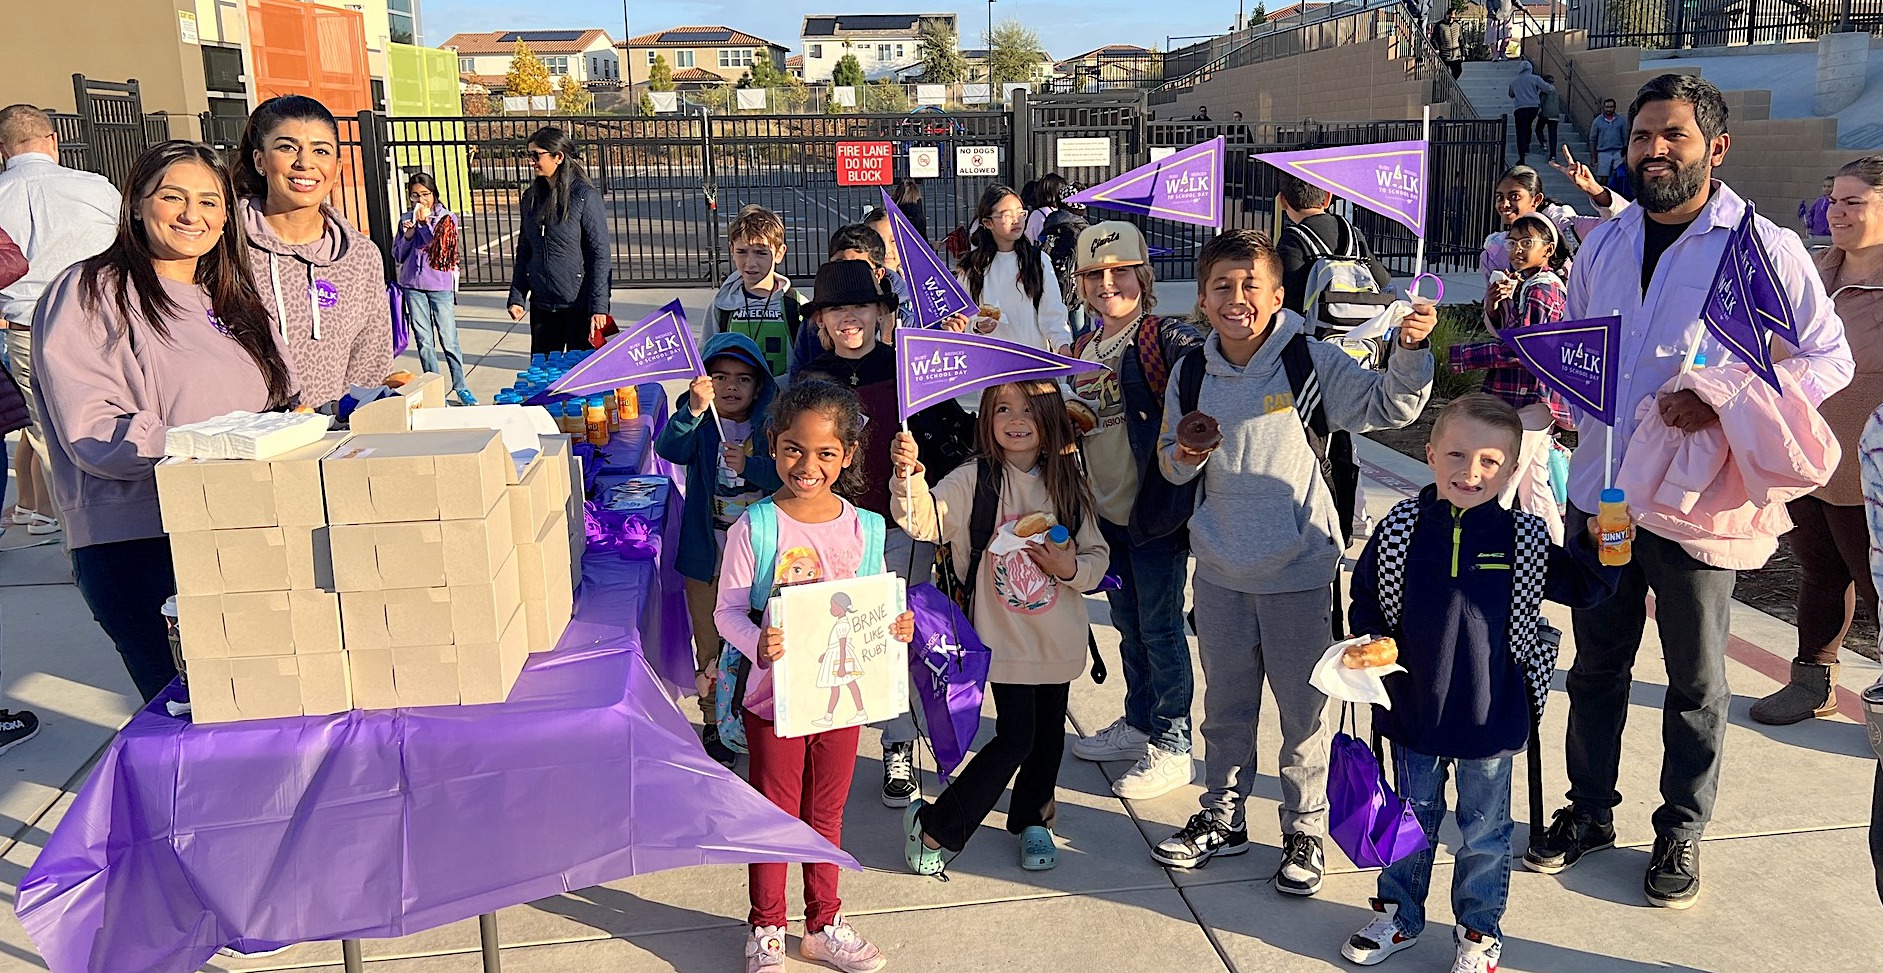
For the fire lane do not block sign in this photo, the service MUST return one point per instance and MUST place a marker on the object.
(865, 163)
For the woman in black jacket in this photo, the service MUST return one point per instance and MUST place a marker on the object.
(563, 250)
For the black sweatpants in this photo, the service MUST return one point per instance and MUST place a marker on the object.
(558, 329)
(1029, 737)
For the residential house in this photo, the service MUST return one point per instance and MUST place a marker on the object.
(588, 56)
(794, 66)
(976, 58)
(721, 52)
(1113, 64)
(884, 44)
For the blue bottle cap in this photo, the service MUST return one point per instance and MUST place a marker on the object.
(537, 358)
(1614, 495)
(1699, 361)
(1059, 534)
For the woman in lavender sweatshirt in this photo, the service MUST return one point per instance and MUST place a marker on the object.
(427, 250)
(323, 281)
(163, 328)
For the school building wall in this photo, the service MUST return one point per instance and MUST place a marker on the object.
(46, 44)
(1352, 82)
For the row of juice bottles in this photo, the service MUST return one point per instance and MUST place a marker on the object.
(592, 419)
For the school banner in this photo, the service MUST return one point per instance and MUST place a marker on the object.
(1574, 358)
(1385, 177)
(1184, 186)
(657, 348)
(934, 292)
(934, 365)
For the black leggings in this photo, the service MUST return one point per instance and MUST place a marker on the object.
(125, 584)
(558, 329)
(1029, 737)
(1526, 126)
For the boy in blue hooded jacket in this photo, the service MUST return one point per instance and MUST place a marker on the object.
(720, 485)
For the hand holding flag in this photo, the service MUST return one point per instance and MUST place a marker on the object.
(658, 347)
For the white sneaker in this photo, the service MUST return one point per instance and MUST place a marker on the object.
(1377, 939)
(1119, 741)
(1155, 774)
(1477, 952)
(765, 949)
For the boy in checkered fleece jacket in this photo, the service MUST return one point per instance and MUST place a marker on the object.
(1456, 579)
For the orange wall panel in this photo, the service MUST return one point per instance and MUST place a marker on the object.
(303, 49)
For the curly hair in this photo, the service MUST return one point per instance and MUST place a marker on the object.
(845, 412)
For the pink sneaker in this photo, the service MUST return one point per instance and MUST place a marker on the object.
(841, 946)
(765, 950)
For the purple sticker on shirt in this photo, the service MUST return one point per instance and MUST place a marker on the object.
(216, 322)
(327, 294)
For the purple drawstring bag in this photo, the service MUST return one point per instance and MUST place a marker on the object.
(401, 332)
(1369, 822)
(948, 673)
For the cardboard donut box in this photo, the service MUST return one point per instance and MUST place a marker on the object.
(370, 570)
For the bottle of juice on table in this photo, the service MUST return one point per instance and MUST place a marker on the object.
(574, 420)
(1615, 548)
(628, 400)
(596, 418)
(614, 413)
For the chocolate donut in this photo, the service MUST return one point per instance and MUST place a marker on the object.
(1198, 432)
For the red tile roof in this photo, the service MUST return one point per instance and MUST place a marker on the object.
(678, 37)
(492, 42)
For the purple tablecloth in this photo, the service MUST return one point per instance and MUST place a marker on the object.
(377, 824)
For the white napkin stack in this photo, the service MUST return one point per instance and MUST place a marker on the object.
(246, 435)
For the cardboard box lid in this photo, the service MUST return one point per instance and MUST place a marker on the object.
(253, 624)
(195, 494)
(394, 413)
(391, 477)
(422, 554)
(522, 428)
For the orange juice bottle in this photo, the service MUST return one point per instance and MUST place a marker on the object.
(595, 416)
(614, 414)
(1614, 549)
(628, 400)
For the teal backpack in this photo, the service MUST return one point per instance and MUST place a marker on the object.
(734, 666)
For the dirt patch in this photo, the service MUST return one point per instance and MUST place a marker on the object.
(1770, 589)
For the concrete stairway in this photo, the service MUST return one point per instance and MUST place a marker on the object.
(1487, 85)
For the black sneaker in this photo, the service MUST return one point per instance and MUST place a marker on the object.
(1301, 865)
(899, 786)
(17, 727)
(1571, 835)
(1673, 879)
(1201, 839)
(716, 748)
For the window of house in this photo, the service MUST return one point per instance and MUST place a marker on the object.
(401, 28)
(683, 59)
(222, 68)
(651, 55)
(467, 65)
(898, 52)
(882, 52)
(735, 57)
(557, 64)
(817, 50)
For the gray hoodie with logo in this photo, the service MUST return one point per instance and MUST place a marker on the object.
(1265, 520)
(328, 300)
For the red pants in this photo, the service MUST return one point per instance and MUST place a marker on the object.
(809, 777)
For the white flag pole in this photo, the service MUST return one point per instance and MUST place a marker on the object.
(1425, 136)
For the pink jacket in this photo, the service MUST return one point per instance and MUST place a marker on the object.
(1721, 492)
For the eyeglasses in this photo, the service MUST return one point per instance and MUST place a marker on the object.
(538, 153)
(1528, 242)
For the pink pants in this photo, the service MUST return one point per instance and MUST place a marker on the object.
(809, 777)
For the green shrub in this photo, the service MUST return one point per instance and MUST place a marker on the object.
(1457, 324)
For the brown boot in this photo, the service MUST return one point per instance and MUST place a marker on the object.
(1812, 692)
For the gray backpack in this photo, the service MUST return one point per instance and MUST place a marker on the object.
(1341, 292)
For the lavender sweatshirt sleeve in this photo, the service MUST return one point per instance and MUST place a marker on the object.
(90, 386)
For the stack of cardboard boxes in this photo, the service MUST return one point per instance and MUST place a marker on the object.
(368, 571)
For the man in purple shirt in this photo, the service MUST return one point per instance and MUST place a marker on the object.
(1652, 265)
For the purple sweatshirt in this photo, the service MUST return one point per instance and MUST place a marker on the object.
(107, 400)
(329, 303)
(415, 268)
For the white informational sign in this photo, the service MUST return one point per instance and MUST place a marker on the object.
(844, 95)
(1161, 152)
(666, 102)
(751, 98)
(186, 26)
(924, 161)
(977, 94)
(1007, 90)
(931, 94)
(1082, 153)
(532, 103)
(841, 667)
(977, 160)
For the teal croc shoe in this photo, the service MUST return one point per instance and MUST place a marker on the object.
(1037, 851)
(921, 859)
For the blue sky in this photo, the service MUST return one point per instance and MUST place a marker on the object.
(1066, 27)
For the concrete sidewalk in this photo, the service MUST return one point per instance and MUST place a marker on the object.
(1788, 883)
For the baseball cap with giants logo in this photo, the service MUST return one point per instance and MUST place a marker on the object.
(1110, 244)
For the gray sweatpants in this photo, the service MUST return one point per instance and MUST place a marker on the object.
(1242, 640)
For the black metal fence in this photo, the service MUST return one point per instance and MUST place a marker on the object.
(109, 128)
(1676, 24)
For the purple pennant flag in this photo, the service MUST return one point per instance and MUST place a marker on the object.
(934, 292)
(1186, 186)
(1746, 304)
(1574, 358)
(658, 347)
(1385, 177)
(933, 365)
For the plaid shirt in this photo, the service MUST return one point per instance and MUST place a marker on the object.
(1539, 300)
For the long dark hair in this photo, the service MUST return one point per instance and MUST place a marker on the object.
(845, 412)
(1065, 482)
(981, 251)
(442, 252)
(1529, 181)
(1050, 192)
(907, 195)
(262, 123)
(550, 196)
(127, 268)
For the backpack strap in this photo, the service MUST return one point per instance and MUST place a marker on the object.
(1394, 537)
(873, 530)
(1316, 247)
(1151, 360)
(793, 308)
(981, 520)
(1305, 382)
(1528, 568)
(1190, 371)
(762, 521)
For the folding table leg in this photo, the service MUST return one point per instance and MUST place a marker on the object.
(350, 956)
(487, 935)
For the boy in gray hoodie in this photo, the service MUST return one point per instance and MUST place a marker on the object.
(1266, 537)
(756, 300)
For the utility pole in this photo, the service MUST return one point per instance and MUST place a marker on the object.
(627, 50)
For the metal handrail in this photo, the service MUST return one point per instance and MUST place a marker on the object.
(1235, 57)
(1414, 31)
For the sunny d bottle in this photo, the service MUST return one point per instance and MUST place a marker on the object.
(1615, 548)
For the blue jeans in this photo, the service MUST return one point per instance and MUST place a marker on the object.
(1480, 878)
(425, 310)
(1147, 611)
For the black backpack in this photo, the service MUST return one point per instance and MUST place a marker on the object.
(1059, 240)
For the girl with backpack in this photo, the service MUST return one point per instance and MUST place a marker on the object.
(1520, 193)
(814, 436)
(1027, 605)
(1048, 198)
(1004, 271)
(1531, 294)
(427, 252)
(1118, 409)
